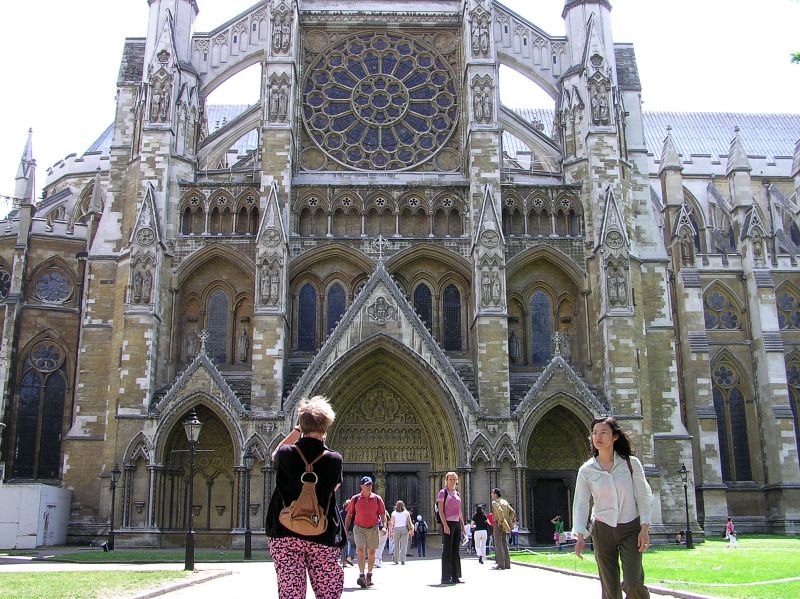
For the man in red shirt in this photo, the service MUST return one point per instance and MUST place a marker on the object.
(368, 510)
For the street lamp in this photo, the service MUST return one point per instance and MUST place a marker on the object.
(192, 427)
(115, 474)
(249, 462)
(685, 478)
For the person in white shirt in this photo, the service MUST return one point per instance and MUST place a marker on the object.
(400, 527)
(615, 480)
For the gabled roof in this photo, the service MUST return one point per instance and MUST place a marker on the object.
(401, 324)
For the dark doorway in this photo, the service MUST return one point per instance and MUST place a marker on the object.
(403, 486)
(551, 498)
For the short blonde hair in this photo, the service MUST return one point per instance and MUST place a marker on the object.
(449, 474)
(315, 415)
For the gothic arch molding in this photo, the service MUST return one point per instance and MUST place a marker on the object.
(559, 259)
(427, 251)
(560, 399)
(173, 414)
(139, 446)
(334, 250)
(200, 257)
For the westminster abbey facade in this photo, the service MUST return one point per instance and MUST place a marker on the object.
(469, 284)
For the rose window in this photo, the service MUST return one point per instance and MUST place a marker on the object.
(377, 101)
(52, 287)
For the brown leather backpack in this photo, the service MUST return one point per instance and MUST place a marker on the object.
(304, 516)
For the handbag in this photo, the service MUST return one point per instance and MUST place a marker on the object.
(409, 526)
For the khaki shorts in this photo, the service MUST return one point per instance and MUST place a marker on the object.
(366, 538)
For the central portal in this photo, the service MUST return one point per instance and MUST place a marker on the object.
(391, 426)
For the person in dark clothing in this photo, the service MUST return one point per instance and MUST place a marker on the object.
(296, 556)
(421, 533)
(480, 532)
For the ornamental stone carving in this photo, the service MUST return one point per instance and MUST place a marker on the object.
(281, 32)
(483, 98)
(278, 107)
(479, 33)
(381, 311)
(160, 97)
(617, 285)
(490, 239)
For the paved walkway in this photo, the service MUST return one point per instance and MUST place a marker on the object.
(418, 579)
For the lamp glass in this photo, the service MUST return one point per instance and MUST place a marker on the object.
(684, 474)
(115, 473)
(249, 459)
(192, 427)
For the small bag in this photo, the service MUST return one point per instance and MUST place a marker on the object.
(409, 526)
(304, 516)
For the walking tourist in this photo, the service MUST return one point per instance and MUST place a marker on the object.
(383, 536)
(400, 528)
(515, 534)
(449, 504)
(730, 534)
(559, 536)
(480, 531)
(296, 556)
(614, 479)
(366, 509)
(502, 514)
(421, 534)
(349, 550)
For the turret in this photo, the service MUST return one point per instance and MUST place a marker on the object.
(738, 173)
(25, 179)
(576, 15)
(181, 14)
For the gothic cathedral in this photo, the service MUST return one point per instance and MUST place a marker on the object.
(469, 284)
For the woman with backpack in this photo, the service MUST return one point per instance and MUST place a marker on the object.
(615, 481)
(421, 533)
(448, 502)
(296, 554)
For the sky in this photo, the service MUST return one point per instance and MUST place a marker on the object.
(59, 76)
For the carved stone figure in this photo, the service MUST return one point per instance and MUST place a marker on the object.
(274, 100)
(191, 343)
(600, 112)
(488, 105)
(264, 286)
(687, 253)
(611, 287)
(283, 104)
(484, 36)
(496, 289)
(622, 288)
(486, 289)
(514, 346)
(566, 347)
(244, 345)
(147, 286)
(758, 250)
(476, 38)
(477, 104)
(604, 112)
(274, 288)
(286, 32)
(137, 287)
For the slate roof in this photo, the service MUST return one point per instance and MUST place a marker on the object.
(103, 143)
(512, 145)
(219, 114)
(132, 65)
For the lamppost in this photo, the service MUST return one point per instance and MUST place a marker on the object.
(249, 462)
(685, 478)
(192, 427)
(115, 474)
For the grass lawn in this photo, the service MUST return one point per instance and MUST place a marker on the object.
(758, 558)
(144, 556)
(81, 585)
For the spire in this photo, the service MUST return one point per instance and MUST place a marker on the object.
(24, 188)
(737, 157)
(669, 154)
(796, 162)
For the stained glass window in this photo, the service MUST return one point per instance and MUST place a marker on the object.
(423, 304)
(217, 326)
(52, 287)
(720, 313)
(541, 329)
(307, 321)
(27, 424)
(729, 405)
(52, 423)
(5, 283)
(788, 309)
(793, 378)
(452, 318)
(336, 305)
(370, 99)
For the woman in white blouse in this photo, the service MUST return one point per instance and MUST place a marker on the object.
(616, 482)
(400, 527)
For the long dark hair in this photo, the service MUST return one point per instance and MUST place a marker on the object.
(622, 445)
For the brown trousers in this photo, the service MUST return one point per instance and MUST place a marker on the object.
(615, 544)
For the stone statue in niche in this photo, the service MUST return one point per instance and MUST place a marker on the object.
(278, 103)
(514, 346)
(191, 343)
(687, 251)
(484, 36)
(286, 32)
(600, 112)
(617, 286)
(496, 290)
(566, 347)
(244, 345)
(137, 287)
(758, 250)
(274, 287)
(160, 97)
(273, 103)
(486, 289)
(264, 286)
(147, 286)
(488, 105)
(283, 104)
(477, 104)
(475, 36)
(281, 34)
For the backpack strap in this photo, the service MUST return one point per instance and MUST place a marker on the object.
(309, 467)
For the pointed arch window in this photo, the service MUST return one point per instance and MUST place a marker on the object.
(307, 319)
(452, 318)
(541, 329)
(794, 233)
(336, 305)
(696, 237)
(423, 304)
(729, 406)
(217, 327)
(720, 313)
(793, 378)
(40, 414)
(788, 303)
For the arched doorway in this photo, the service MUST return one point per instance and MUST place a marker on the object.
(215, 488)
(556, 449)
(392, 424)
